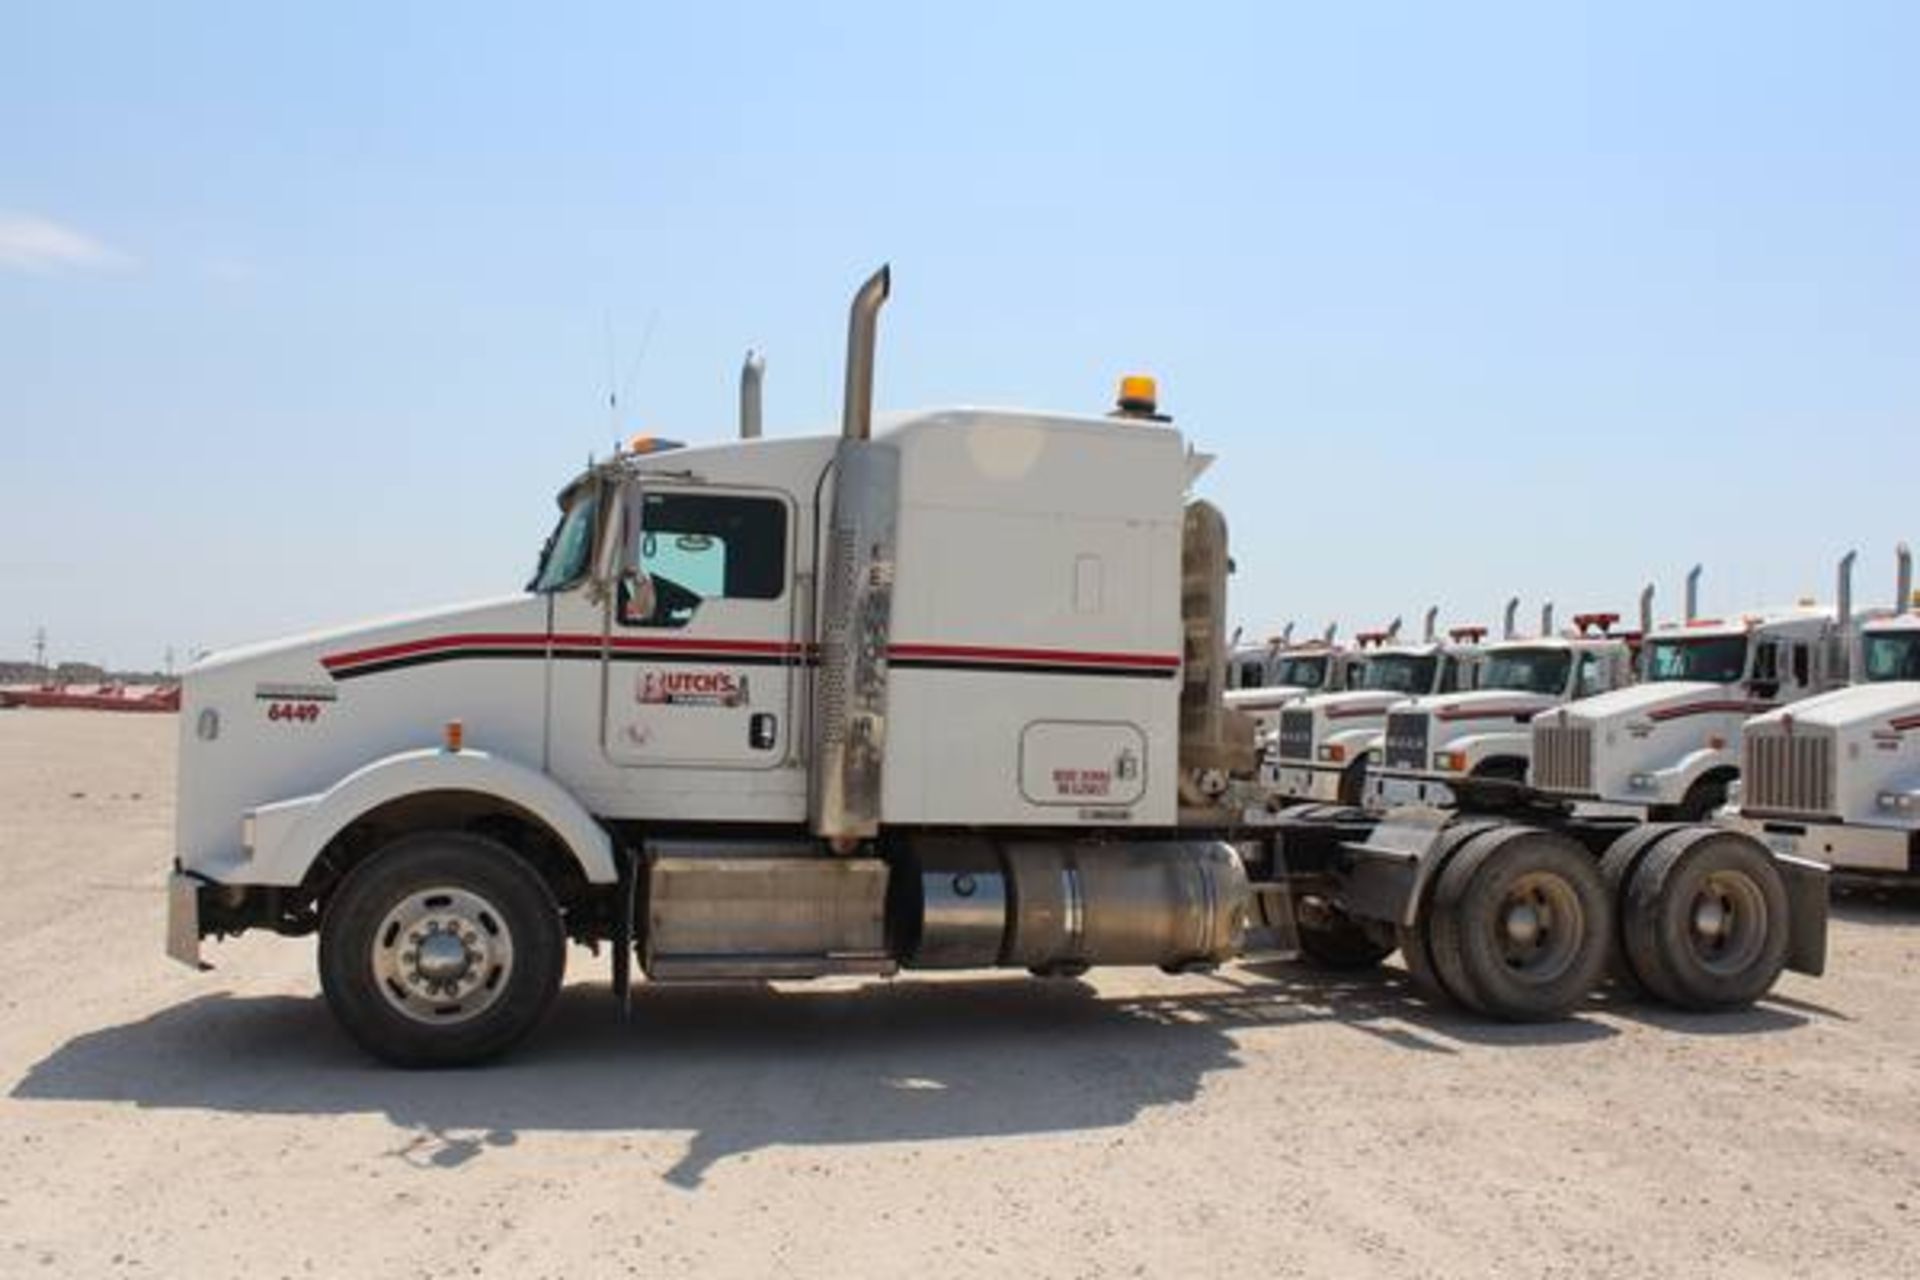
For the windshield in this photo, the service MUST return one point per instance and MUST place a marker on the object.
(1308, 673)
(1892, 656)
(564, 560)
(1527, 670)
(1716, 659)
(1248, 674)
(1399, 673)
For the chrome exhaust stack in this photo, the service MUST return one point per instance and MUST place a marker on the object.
(1843, 592)
(1903, 579)
(1393, 630)
(1546, 619)
(753, 372)
(1433, 620)
(863, 333)
(1286, 635)
(1646, 609)
(1693, 593)
(855, 616)
(1333, 629)
(1507, 623)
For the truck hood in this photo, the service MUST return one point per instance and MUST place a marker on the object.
(1643, 699)
(1272, 695)
(1481, 704)
(1860, 706)
(445, 620)
(1350, 703)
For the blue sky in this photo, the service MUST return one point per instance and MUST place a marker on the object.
(304, 317)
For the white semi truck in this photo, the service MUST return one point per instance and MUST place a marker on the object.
(1837, 777)
(1323, 744)
(943, 692)
(1294, 671)
(1481, 739)
(1668, 747)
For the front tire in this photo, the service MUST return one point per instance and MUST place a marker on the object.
(442, 949)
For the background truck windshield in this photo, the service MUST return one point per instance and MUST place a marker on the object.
(1308, 673)
(567, 552)
(1527, 670)
(1716, 659)
(1400, 673)
(1895, 656)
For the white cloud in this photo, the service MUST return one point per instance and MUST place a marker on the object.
(29, 243)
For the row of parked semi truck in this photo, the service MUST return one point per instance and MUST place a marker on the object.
(1800, 725)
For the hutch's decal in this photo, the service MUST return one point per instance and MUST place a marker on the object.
(690, 688)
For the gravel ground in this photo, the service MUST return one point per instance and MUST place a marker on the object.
(1263, 1121)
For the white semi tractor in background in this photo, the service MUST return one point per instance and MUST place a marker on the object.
(1668, 747)
(1289, 672)
(1322, 745)
(1437, 746)
(943, 692)
(1837, 776)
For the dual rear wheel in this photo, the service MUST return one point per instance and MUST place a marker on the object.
(1521, 923)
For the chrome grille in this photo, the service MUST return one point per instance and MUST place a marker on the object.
(1790, 773)
(1563, 757)
(1406, 746)
(1296, 735)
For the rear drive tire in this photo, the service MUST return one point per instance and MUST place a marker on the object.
(1414, 940)
(1521, 925)
(1622, 859)
(1706, 920)
(442, 949)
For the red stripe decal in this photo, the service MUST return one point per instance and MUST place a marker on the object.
(721, 649)
(573, 642)
(1488, 713)
(1904, 723)
(986, 653)
(1710, 708)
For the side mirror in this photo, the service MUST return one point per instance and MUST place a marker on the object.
(641, 600)
(609, 553)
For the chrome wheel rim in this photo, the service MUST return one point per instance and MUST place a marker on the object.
(1538, 927)
(442, 955)
(1727, 922)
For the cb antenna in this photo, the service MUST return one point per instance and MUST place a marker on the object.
(618, 388)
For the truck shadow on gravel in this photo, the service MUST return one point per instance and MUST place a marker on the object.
(745, 1069)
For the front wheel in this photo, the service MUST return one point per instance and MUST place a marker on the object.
(444, 948)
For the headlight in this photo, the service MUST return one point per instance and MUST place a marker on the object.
(1641, 782)
(1895, 801)
(1333, 752)
(1450, 761)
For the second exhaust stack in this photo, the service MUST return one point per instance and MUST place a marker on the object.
(863, 330)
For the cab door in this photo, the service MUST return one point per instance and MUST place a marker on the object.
(700, 661)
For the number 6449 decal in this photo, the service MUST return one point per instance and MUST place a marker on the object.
(298, 712)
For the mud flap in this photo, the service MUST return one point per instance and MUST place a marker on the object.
(183, 921)
(1806, 882)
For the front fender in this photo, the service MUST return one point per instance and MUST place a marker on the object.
(288, 836)
(1672, 783)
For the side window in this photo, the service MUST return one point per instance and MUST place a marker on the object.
(1803, 665)
(1450, 675)
(706, 546)
(1593, 676)
(1766, 668)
